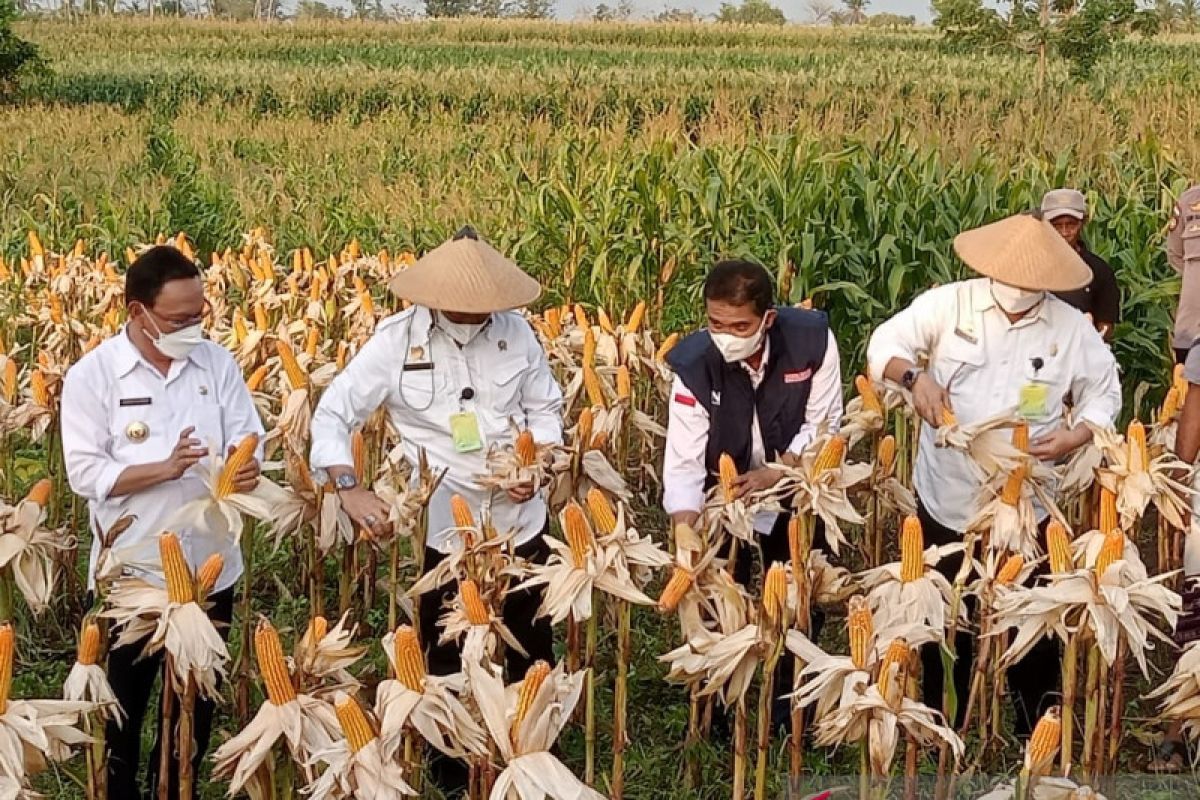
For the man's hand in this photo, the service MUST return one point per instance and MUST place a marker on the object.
(188, 451)
(366, 510)
(756, 480)
(1059, 443)
(929, 398)
(247, 476)
(522, 494)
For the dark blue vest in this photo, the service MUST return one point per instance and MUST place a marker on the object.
(799, 339)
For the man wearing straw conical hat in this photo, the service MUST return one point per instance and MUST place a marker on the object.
(991, 345)
(456, 371)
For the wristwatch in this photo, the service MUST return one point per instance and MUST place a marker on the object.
(909, 379)
(345, 482)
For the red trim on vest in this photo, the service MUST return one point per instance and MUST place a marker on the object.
(685, 400)
(797, 376)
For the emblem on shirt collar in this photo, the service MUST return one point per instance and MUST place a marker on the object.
(137, 432)
(416, 353)
(203, 390)
(503, 345)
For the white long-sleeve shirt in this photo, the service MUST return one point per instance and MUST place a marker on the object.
(414, 369)
(106, 395)
(983, 360)
(684, 470)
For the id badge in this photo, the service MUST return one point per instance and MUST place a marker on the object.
(1034, 401)
(464, 432)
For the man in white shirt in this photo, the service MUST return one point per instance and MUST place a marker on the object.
(456, 372)
(994, 344)
(138, 413)
(757, 383)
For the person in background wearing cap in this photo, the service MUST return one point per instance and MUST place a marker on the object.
(999, 343)
(1066, 210)
(456, 371)
(758, 383)
(1183, 253)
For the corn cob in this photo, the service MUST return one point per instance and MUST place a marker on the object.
(578, 533)
(365, 303)
(1139, 456)
(88, 651)
(358, 454)
(318, 626)
(535, 676)
(830, 457)
(799, 545)
(206, 576)
(624, 383)
(861, 628)
(605, 322)
(343, 351)
(241, 456)
(581, 317)
(1059, 545)
(181, 587)
(553, 323)
(595, 392)
(261, 321)
(525, 449)
(666, 347)
(255, 381)
(774, 602)
(887, 454)
(1108, 510)
(39, 389)
(589, 348)
(410, 662)
(912, 550)
(1012, 487)
(6, 665)
(1010, 569)
(634, 323)
(728, 474)
(354, 723)
(10, 380)
(312, 342)
(603, 515)
(291, 367)
(35, 246)
(268, 652)
(679, 584)
(599, 441)
(1170, 407)
(948, 418)
(1020, 437)
(897, 657)
(473, 605)
(1111, 551)
(460, 511)
(870, 398)
(587, 420)
(39, 493)
(1043, 745)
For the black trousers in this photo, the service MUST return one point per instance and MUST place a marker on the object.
(519, 614)
(1032, 681)
(132, 679)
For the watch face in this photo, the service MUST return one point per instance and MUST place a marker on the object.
(346, 482)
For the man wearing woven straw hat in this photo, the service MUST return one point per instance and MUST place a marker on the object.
(994, 344)
(456, 371)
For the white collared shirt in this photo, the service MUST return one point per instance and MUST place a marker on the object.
(983, 360)
(510, 377)
(684, 468)
(113, 388)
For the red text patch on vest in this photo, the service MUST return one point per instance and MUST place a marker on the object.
(797, 376)
(684, 400)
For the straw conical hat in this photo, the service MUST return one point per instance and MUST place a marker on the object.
(1026, 252)
(466, 274)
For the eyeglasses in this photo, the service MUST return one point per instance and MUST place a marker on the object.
(172, 324)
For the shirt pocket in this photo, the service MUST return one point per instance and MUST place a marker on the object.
(956, 360)
(504, 385)
(416, 388)
(138, 434)
(208, 419)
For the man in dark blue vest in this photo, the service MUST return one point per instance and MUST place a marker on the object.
(757, 383)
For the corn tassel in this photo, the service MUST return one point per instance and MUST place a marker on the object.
(728, 474)
(40, 492)
(1043, 745)
(1010, 569)
(473, 605)
(1012, 487)
(1139, 455)
(297, 379)
(535, 676)
(624, 383)
(774, 602)
(830, 457)
(181, 587)
(666, 347)
(525, 449)
(272, 667)
(6, 665)
(870, 398)
(1108, 511)
(460, 511)
(354, 723)
(679, 584)
(1113, 550)
(912, 550)
(887, 454)
(1020, 437)
(410, 662)
(1059, 545)
(604, 517)
(241, 456)
(587, 421)
(88, 651)
(634, 323)
(860, 627)
(578, 533)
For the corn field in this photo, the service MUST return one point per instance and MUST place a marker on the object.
(304, 165)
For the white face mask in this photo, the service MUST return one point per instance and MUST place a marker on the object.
(179, 344)
(738, 348)
(1014, 300)
(460, 332)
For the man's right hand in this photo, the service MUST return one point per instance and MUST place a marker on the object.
(930, 399)
(187, 452)
(366, 510)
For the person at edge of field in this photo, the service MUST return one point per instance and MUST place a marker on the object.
(138, 413)
(996, 343)
(455, 371)
(1067, 211)
(757, 383)
(1183, 253)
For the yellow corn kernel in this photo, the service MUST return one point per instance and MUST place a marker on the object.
(912, 550)
(599, 441)
(39, 493)
(679, 584)
(291, 367)
(366, 304)
(525, 448)
(343, 351)
(605, 322)
(1044, 743)
(1020, 437)
(10, 380)
(831, 456)
(1059, 545)
(206, 576)
(860, 626)
(535, 676)
(410, 661)
(272, 667)
(1108, 511)
(604, 516)
(1111, 551)
(581, 317)
(1012, 487)
(774, 602)
(886, 458)
(35, 245)
(578, 533)
(354, 723)
(587, 421)
(255, 381)
(948, 418)
(553, 320)
(634, 323)
(595, 392)
(1010, 569)
(313, 342)
(799, 545)
(38, 388)
(241, 456)
(460, 512)
(260, 316)
(1170, 406)
(358, 453)
(728, 474)
(6, 664)
(180, 586)
(893, 667)
(88, 651)
(1139, 455)
(666, 347)
(868, 394)
(318, 626)
(624, 383)
(473, 605)
(354, 249)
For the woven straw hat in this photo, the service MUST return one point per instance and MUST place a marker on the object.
(466, 274)
(1024, 251)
